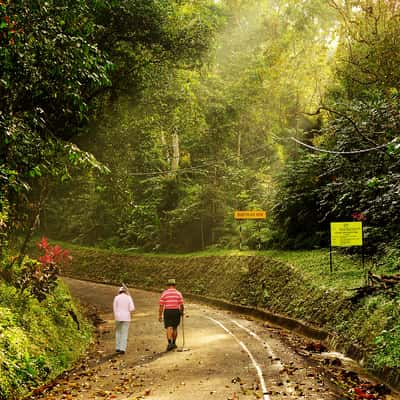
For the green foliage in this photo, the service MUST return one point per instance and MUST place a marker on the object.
(387, 352)
(38, 341)
(390, 259)
(39, 277)
(192, 107)
(140, 227)
(369, 50)
(346, 274)
(49, 68)
(61, 63)
(6, 179)
(50, 64)
(332, 187)
(296, 214)
(226, 146)
(195, 106)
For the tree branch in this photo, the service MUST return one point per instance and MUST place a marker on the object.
(352, 122)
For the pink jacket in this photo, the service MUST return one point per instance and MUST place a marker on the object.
(123, 306)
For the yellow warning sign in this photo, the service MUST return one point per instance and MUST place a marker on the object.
(250, 214)
(345, 234)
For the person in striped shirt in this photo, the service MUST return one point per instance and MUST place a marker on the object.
(171, 309)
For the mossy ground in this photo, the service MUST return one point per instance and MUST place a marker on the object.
(38, 340)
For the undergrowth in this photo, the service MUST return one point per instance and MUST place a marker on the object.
(38, 340)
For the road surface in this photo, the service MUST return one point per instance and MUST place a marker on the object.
(224, 356)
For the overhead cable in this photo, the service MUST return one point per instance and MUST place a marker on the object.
(204, 167)
(342, 152)
(200, 167)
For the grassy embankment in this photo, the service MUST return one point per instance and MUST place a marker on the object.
(38, 340)
(297, 284)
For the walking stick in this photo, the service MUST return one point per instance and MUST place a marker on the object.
(126, 288)
(183, 336)
(183, 331)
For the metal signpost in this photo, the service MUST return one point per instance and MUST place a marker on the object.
(255, 215)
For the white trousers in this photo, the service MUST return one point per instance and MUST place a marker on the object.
(121, 334)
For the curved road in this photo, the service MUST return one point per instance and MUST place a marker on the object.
(225, 356)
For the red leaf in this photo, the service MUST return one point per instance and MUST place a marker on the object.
(363, 395)
(46, 259)
(43, 244)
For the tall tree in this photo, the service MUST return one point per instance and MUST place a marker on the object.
(61, 62)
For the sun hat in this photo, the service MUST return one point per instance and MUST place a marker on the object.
(171, 282)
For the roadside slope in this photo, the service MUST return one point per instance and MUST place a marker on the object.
(38, 340)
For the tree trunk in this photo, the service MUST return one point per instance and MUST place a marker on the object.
(202, 233)
(164, 143)
(34, 223)
(175, 152)
(239, 145)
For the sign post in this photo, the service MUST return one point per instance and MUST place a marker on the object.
(346, 234)
(254, 215)
(240, 233)
(250, 214)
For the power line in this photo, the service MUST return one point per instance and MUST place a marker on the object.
(205, 166)
(342, 152)
(200, 167)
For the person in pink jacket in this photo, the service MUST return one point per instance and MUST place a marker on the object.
(123, 306)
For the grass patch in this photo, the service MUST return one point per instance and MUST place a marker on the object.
(314, 265)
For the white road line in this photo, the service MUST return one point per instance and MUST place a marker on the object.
(253, 360)
(269, 350)
(255, 336)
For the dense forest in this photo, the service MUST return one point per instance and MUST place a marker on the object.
(144, 125)
(147, 124)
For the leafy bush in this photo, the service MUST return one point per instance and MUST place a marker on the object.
(296, 212)
(40, 277)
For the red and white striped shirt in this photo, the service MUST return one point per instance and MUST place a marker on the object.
(171, 299)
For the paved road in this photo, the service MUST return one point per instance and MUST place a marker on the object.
(225, 356)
